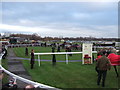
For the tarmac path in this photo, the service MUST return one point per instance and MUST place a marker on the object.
(15, 66)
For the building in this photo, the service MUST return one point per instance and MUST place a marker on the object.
(14, 40)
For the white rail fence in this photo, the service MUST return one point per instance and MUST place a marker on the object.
(35, 84)
(66, 53)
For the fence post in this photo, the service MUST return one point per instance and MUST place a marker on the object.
(66, 58)
(39, 60)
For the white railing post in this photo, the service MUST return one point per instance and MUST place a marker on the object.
(39, 60)
(66, 58)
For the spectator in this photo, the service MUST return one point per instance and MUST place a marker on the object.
(53, 58)
(29, 87)
(32, 59)
(33, 87)
(68, 49)
(12, 85)
(103, 64)
(58, 49)
(26, 51)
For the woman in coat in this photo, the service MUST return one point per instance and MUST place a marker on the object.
(32, 59)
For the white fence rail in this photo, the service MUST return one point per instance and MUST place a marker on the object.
(66, 53)
(35, 84)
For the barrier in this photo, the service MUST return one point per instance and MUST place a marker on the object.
(66, 53)
(35, 84)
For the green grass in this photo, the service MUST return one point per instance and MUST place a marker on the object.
(21, 53)
(72, 75)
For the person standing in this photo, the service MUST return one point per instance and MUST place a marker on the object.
(58, 49)
(26, 51)
(69, 50)
(53, 58)
(32, 59)
(103, 64)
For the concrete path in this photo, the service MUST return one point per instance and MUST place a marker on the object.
(15, 66)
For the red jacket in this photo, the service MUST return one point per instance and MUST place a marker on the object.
(98, 57)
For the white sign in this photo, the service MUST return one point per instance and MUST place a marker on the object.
(87, 53)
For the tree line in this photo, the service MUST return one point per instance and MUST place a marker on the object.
(37, 37)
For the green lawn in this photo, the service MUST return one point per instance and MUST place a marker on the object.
(21, 53)
(72, 75)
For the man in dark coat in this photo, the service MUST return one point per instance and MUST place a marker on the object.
(32, 59)
(69, 50)
(103, 64)
(53, 58)
(26, 51)
(58, 49)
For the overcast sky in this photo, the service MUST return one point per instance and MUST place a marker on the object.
(67, 19)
